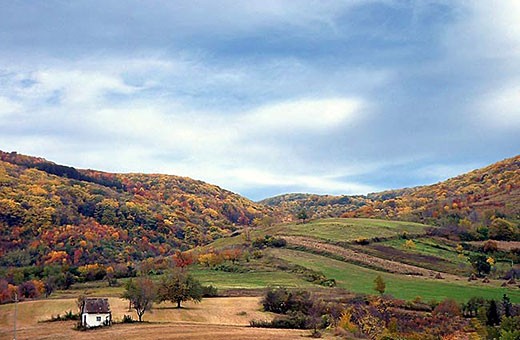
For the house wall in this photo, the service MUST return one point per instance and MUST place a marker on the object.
(91, 319)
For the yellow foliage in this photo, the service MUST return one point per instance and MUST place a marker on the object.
(345, 321)
(57, 256)
(410, 244)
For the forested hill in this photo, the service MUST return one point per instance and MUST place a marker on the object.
(315, 206)
(54, 213)
(476, 196)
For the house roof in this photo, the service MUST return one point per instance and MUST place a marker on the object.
(96, 305)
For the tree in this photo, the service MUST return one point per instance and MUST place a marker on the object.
(480, 264)
(80, 301)
(50, 285)
(506, 305)
(110, 277)
(302, 215)
(379, 285)
(141, 293)
(179, 286)
(501, 229)
(492, 317)
(182, 259)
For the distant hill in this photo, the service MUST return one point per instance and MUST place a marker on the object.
(55, 213)
(476, 196)
(316, 206)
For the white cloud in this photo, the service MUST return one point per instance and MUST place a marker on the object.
(501, 109)
(318, 183)
(485, 29)
(8, 106)
(308, 114)
(77, 86)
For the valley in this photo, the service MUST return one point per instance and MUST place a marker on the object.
(68, 233)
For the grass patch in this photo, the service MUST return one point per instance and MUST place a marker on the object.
(249, 280)
(360, 280)
(348, 229)
(332, 230)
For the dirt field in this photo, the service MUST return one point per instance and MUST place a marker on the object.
(216, 318)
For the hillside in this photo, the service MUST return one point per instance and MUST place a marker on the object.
(353, 251)
(476, 196)
(316, 206)
(51, 213)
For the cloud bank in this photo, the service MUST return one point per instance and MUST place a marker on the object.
(264, 97)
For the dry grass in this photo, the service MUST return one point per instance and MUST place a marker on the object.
(502, 245)
(217, 318)
(186, 331)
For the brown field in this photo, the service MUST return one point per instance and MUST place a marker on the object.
(216, 318)
(502, 245)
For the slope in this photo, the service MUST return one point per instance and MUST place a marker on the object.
(478, 196)
(51, 213)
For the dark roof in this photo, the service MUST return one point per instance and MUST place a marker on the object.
(96, 305)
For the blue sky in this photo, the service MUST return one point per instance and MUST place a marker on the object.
(264, 97)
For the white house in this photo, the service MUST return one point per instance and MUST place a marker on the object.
(96, 312)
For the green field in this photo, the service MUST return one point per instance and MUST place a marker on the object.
(251, 280)
(430, 253)
(333, 230)
(360, 280)
(345, 230)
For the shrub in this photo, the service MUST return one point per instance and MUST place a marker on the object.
(127, 319)
(276, 301)
(209, 291)
(66, 317)
(490, 246)
(447, 307)
(296, 320)
(362, 241)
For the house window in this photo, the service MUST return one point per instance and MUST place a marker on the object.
(98, 318)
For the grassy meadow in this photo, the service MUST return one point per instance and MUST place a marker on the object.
(429, 253)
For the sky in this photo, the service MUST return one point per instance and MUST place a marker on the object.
(264, 97)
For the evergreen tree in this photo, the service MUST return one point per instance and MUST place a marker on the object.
(492, 316)
(506, 305)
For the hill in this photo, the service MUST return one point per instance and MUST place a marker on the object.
(52, 213)
(350, 252)
(316, 206)
(477, 196)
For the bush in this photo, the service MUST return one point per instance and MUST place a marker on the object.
(490, 246)
(127, 319)
(66, 317)
(447, 307)
(362, 241)
(230, 268)
(209, 291)
(295, 320)
(269, 241)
